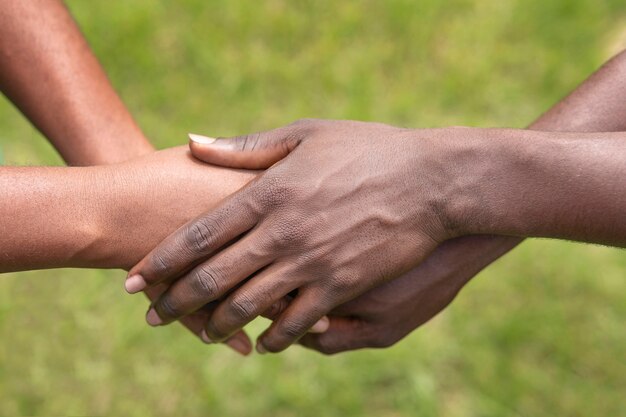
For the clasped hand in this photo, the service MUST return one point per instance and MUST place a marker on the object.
(333, 220)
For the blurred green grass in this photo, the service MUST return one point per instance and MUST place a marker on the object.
(539, 333)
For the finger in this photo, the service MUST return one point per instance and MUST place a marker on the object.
(343, 334)
(211, 280)
(277, 308)
(281, 305)
(303, 312)
(251, 299)
(252, 151)
(195, 322)
(240, 342)
(193, 242)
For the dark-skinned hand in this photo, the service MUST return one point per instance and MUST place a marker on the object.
(334, 219)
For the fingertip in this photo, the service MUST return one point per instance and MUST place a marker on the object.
(205, 337)
(240, 346)
(135, 283)
(211, 150)
(200, 139)
(321, 326)
(152, 318)
(260, 348)
(276, 309)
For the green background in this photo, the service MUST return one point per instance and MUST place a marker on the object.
(541, 333)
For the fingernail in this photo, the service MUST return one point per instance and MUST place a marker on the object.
(215, 143)
(260, 348)
(321, 326)
(239, 346)
(134, 284)
(205, 337)
(153, 318)
(202, 140)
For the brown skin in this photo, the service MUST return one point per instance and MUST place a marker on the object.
(45, 63)
(77, 88)
(383, 316)
(107, 216)
(86, 208)
(306, 208)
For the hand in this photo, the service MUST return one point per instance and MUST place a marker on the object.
(152, 196)
(353, 206)
(386, 314)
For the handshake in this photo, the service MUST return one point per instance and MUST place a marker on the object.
(357, 233)
(354, 235)
(345, 234)
(338, 244)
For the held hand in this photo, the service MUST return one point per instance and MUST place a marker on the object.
(239, 342)
(353, 205)
(386, 314)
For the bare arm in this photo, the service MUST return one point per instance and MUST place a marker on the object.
(48, 71)
(419, 295)
(106, 216)
(397, 193)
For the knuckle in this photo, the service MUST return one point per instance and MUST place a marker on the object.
(338, 284)
(168, 309)
(277, 308)
(286, 234)
(287, 332)
(293, 329)
(199, 235)
(215, 331)
(205, 282)
(248, 142)
(276, 189)
(243, 307)
(160, 265)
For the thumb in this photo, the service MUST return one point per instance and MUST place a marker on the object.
(253, 151)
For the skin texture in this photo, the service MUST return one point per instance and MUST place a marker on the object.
(290, 238)
(45, 63)
(386, 314)
(107, 216)
(77, 88)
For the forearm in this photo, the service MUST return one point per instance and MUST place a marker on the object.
(594, 106)
(538, 184)
(47, 217)
(48, 71)
(106, 216)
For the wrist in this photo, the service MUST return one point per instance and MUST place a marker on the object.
(483, 166)
(530, 183)
(127, 214)
(105, 190)
(466, 160)
(149, 198)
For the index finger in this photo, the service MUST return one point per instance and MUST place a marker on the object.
(194, 242)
